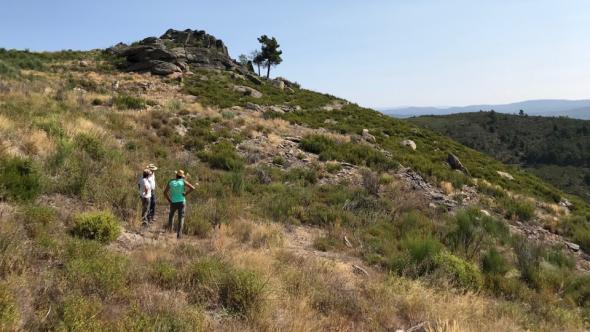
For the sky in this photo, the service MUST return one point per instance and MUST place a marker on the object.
(378, 53)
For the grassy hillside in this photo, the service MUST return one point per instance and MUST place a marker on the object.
(301, 197)
(555, 149)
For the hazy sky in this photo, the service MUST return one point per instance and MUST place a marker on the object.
(377, 53)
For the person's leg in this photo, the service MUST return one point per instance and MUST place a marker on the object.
(152, 213)
(145, 209)
(171, 217)
(181, 210)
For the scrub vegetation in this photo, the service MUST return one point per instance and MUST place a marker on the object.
(73, 255)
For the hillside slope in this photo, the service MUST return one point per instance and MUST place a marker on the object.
(555, 149)
(327, 221)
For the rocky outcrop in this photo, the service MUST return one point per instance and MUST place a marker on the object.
(456, 164)
(368, 137)
(176, 51)
(247, 91)
(409, 143)
(279, 84)
(417, 182)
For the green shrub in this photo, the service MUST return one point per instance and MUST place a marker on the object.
(37, 219)
(581, 235)
(101, 226)
(307, 175)
(579, 291)
(223, 156)
(460, 272)
(197, 223)
(78, 313)
(15, 249)
(333, 167)
(92, 145)
(326, 243)
(417, 256)
(471, 231)
(174, 105)
(129, 102)
(19, 179)
(203, 277)
(513, 208)
(494, 263)
(243, 293)
(164, 319)
(164, 273)
(355, 153)
(213, 281)
(510, 288)
(560, 258)
(94, 271)
(9, 313)
(278, 160)
(317, 144)
(237, 182)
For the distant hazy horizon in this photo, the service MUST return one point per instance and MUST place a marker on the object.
(379, 54)
(577, 109)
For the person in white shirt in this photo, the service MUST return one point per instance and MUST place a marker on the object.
(152, 179)
(145, 192)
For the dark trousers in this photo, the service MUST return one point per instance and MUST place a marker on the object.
(152, 211)
(145, 209)
(180, 207)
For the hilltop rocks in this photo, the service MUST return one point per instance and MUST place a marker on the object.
(368, 137)
(456, 164)
(409, 143)
(279, 84)
(174, 52)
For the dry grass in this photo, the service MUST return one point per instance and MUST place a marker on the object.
(5, 123)
(37, 143)
(83, 126)
(447, 187)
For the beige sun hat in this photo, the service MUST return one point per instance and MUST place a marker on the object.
(180, 173)
(152, 167)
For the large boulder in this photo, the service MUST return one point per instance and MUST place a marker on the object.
(279, 84)
(368, 137)
(248, 91)
(409, 143)
(164, 68)
(456, 164)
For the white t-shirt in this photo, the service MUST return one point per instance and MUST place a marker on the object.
(145, 188)
(152, 179)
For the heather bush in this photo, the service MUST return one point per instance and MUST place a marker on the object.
(20, 179)
(101, 226)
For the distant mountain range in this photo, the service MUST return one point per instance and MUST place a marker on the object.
(576, 109)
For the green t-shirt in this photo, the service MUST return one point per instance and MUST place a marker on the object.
(177, 190)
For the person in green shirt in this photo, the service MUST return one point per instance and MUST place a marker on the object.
(175, 192)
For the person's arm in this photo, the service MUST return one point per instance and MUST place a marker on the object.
(167, 193)
(190, 188)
